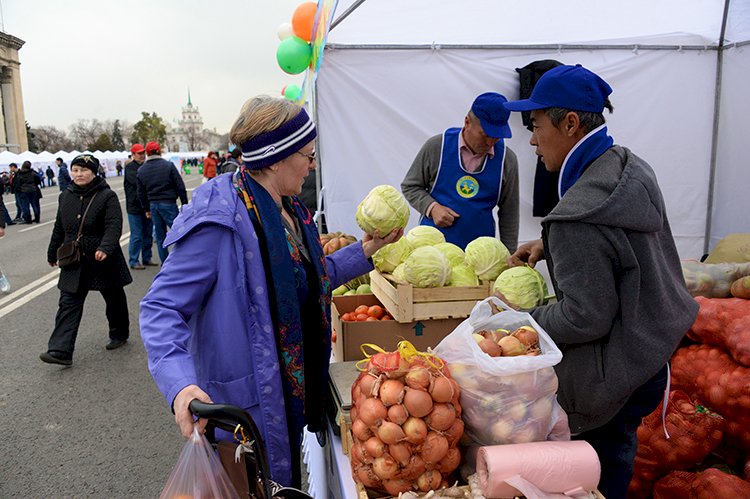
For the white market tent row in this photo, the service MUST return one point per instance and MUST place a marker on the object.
(396, 73)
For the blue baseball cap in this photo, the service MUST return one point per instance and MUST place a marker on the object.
(568, 87)
(489, 109)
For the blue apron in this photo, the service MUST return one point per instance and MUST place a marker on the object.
(471, 195)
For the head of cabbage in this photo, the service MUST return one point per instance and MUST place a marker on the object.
(398, 273)
(463, 275)
(427, 267)
(488, 256)
(387, 258)
(454, 254)
(424, 235)
(383, 209)
(523, 286)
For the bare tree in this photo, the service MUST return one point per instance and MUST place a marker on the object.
(52, 139)
(85, 132)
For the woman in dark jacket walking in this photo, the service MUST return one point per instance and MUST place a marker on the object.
(102, 266)
(27, 185)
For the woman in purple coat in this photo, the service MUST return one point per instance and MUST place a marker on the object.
(240, 312)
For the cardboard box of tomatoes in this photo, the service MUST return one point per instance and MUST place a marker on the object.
(360, 319)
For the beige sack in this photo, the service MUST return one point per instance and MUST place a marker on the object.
(733, 248)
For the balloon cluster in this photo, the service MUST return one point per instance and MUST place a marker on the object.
(294, 52)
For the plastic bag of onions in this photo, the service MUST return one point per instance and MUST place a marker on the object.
(505, 400)
(406, 421)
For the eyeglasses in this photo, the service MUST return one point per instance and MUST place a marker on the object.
(311, 157)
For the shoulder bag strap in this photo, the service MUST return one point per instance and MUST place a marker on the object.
(83, 218)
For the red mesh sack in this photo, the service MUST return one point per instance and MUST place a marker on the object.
(710, 375)
(715, 484)
(676, 485)
(694, 432)
(724, 322)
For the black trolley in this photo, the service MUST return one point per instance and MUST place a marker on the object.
(258, 477)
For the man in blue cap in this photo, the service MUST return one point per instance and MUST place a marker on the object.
(461, 175)
(622, 305)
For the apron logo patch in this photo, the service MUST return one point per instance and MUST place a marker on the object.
(467, 187)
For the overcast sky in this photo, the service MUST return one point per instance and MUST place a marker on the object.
(110, 59)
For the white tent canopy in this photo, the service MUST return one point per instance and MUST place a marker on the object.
(396, 73)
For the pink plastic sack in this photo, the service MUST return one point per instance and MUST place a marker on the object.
(198, 473)
(538, 470)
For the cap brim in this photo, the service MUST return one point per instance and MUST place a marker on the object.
(496, 131)
(524, 105)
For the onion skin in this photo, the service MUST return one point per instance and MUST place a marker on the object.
(512, 346)
(385, 467)
(360, 430)
(398, 414)
(527, 336)
(400, 452)
(359, 455)
(441, 418)
(491, 348)
(374, 447)
(450, 462)
(396, 486)
(367, 478)
(372, 411)
(390, 433)
(441, 389)
(366, 382)
(434, 448)
(429, 480)
(415, 430)
(417, 402)
(418, 378)
(413, 469)
(455, 432)
(391, 392)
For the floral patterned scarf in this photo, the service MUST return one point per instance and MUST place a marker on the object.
(303, 330)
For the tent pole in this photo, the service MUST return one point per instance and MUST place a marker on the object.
(715, 134)
(346, 13)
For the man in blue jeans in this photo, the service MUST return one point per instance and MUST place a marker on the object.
(141, 228)
(159, 186)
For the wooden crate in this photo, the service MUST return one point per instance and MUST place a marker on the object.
(345, 425)
(409, 304)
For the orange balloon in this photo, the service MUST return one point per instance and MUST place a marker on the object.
(303, 18)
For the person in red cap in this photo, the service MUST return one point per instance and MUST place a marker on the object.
(622, 305)
(159, 186)
(140, 248)
(462, 174)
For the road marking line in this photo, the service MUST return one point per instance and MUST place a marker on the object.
(36, 226)
(22, 300)
(29, 286)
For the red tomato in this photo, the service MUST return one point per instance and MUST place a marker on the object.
(386, 317)
(376, 311)
(371, 318)
(347, 317)
(362, 309)
(334, 337)
(361, 317)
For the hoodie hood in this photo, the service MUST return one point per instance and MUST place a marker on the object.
(618, 189)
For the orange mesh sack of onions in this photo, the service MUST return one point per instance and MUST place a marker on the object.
(508, 398)
(406, 421)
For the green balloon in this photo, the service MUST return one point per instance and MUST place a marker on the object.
(292, 92)
(293, 55)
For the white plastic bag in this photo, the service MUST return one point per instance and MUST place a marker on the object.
(505, 400)
(198, 473)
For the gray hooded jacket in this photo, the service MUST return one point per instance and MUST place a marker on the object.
(622, 302)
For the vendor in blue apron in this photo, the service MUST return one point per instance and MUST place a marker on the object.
(460, 176)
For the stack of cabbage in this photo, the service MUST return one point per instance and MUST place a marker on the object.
(423, 259)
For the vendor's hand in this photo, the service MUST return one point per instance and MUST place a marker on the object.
(443, 216)
(52, 264)
(502, 297)
(530, 253)
(148, 214)
(99, 256)
(372, 243)
(2, 231)
(182, 414)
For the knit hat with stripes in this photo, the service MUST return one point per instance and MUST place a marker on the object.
(271, 147)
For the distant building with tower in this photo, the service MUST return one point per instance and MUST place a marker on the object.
(189, 134)
(12, 119)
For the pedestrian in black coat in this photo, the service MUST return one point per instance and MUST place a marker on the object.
(102, 266)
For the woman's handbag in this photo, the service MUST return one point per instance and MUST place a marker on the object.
(70, 252)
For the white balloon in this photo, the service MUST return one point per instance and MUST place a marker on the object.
(284, 31)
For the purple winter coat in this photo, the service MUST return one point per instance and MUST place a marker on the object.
(206, 318)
